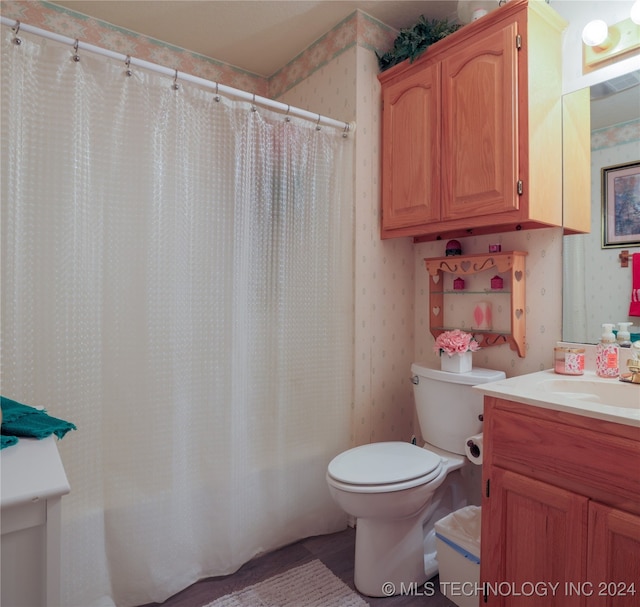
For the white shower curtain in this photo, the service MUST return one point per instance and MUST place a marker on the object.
(176, 281)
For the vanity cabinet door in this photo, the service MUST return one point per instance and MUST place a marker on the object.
(561, 505)
(534, 536)
(480, 127)
(411, 150)
(613, 556)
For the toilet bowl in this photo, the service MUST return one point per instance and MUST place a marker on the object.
(396, 491)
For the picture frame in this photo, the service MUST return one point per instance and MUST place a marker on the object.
(621, 205)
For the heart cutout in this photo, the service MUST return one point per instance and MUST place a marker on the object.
(436, 310)
(518, 313)
(465, 265)
(436, 279)
(518, 275)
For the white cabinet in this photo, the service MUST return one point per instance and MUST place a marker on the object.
(33, 483)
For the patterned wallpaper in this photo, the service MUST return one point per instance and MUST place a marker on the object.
(337, 77)
(543, 300)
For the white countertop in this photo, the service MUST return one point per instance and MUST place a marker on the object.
(31, 470)
(588, 395)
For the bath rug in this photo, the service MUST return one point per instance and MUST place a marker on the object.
(310, 585)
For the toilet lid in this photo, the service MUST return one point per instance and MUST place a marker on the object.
(383, 464)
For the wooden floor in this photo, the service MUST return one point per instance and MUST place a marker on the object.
(336, 551)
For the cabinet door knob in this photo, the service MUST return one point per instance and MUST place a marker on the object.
(481, 417)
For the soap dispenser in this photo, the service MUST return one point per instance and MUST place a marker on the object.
(607, 353)
(624, 337)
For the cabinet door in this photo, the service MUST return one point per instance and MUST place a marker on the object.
(411, 150)
(613, 557)
(533, 542)
(480, 127)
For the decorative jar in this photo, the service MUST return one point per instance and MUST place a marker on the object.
(568, 361)
(453, 247)
(482, 317)
(497, 283)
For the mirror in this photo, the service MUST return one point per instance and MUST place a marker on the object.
(596, 289)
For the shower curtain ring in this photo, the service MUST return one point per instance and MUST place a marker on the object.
(287, 118)
(253, 104)
(175, 86)
(318, 127)
(127, 63)
(217, 96)
(16, 29)
(76, 46)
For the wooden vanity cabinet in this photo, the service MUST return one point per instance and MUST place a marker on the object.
(472, 130)
(561, 509)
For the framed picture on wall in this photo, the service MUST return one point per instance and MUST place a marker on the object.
(621, 205)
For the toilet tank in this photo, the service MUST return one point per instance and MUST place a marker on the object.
(448, 408)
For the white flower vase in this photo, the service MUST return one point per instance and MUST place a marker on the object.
(458, 363)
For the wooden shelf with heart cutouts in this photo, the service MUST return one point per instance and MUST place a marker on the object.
(458, 284)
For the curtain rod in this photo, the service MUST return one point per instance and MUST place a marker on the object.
(154, 67)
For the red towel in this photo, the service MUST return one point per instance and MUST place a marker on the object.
(634, 307)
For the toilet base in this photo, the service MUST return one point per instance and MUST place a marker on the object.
(398, 556)
(402, 566)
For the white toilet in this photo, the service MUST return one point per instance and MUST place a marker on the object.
(397, 491)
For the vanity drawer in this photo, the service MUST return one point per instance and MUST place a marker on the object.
(597, 462)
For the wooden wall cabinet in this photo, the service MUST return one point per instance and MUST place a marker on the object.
(561, 507)
(411, 151)
(510, 266)
(472, 130)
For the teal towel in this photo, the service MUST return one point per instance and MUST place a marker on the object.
(7, 441)
(21, 420)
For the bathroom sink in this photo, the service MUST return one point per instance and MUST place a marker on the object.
(589, 395)
(606, 392)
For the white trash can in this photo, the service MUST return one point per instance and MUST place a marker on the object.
(458, 554)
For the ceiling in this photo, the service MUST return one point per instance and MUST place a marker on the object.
(262, 36)
(259, 36)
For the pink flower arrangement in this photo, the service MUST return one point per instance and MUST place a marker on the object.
(455, 342)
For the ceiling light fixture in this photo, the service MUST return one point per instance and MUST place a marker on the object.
(604, 43)
(596, 34)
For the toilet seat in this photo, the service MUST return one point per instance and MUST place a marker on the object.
(384, 467)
